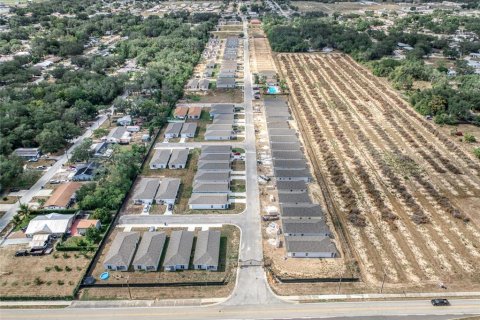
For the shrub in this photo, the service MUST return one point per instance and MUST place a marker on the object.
(476, 152)
(55, 256)
(57, 268)
(68, 269)
(38, 281)
(65, 255)
(49, 283)
(47, 269)
(470, 138)
(60, 282)
(5, 198)
(71, 283)
(79, 269)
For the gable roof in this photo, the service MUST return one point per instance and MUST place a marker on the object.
(122, 249)
(150, 249)
(147, 188)
(174, 128)
(168, 189)
(179, 156)
(195, 111)
(305, 226)
(49, 223)
(214, 156)
(218, 165)
(211, 176)
(62, 195)
(86, 223)
(210, 187)
(216, 149)
(289, 164)
(180, 111)
(161, 156)
(293, 197)
(179, 248)
(208, 199)
(291, 185)
(301, 210)
(310, 244)
(189, 128)
(207, 250)
(291, 173)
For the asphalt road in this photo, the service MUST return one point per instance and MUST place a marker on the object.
(420, 309)
(47, 176)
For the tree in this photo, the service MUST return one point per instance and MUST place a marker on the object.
(102, 214)
(93, 235)
(83, 152)
(10, 168)
(476, 152)
(50, 141)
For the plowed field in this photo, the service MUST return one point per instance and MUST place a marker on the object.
(401, 191)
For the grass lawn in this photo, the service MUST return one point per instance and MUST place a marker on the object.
(239, 150)
(237, 186)
(27, 179)
(238, 165)
(202, 126)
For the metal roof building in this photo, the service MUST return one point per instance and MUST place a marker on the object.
(149, 251)
(207, 250)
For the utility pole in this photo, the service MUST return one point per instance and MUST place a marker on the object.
(383, 282)
(128, 286)
(339, 284)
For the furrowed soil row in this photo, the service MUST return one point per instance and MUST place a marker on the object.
(448, 241)
(441, 203)
(399, 215)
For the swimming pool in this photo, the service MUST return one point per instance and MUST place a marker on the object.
(273, 90)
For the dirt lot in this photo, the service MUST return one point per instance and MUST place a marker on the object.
(218, 96)
(402, 195)
(37, 276)
(228, 263)
(260, 55)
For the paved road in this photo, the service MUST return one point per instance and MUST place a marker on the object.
(409, 309)
(47, 176)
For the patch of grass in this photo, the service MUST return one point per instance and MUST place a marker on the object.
(47, 269)
(240, 150)
(27, 179)
(60, 282)
(237, 186)
(57, 268)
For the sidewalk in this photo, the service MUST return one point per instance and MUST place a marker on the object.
(144, 303)
(35, 303)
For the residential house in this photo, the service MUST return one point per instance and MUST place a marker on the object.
(285, 146)
(206, 149)
(146, 190)
(124, 121)
(63, 197)
(207, 250)
(280, 164)
(221, 108)
(203, 84)
(121, 251)
(180, 112)
(205, 201)
(32, 154)
(211, 187)
(281, 131)
(179, 158)
(50, 224)
(160, 159)
(293, 197)
(179, 251)
(119, 135)
(214, 166)
(292, 175)
(168, 191)
(85, 172)
(284, 139)
(217, 135)
(305, 227)
(192, 85)
(149, 251)
(188, 130)
(292, 186)
(84, 224)
(310, 247)
(173, 130)
(287, 155)
(226, 83)
(301, 210)
(99, 149)
(194, 113)
(215, 156)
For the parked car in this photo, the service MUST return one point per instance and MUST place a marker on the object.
(170, 207)
(54, 181)
(21, 253)
(14, 189)
(270, 217)
(146, 208)
(264, 177)
(236, 153)
(440, 302)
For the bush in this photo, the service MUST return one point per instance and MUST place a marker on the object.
(60, 282)
(57, 268)
(470, 138)
(66, 255)
(476, 152)
(68, 269)
(47, 269)
(38, 281)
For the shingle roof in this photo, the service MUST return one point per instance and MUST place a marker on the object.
(285, 146)
(293, 197)
(179, 248)
(216, 149)
(179, 156)
(161, 156)
(147, 188)
(287, 155)
(208, 199)
(284, 139)
(225, 116)
(275, 102)
(278, 124)
(62, 195)
(301, 210)
(211, 176)
(207, 250)
(290, 173)
(215, 156)
(217, 133)
(195, 111)
(174, 128)
(304, 226)
(189, 128)
(214, 165)
(117, 132)
(150, 249)
(210, 187)
(310, 244)
(168, 189)
(289, 164)
(219, 127)
(122, 248)
(291, 185)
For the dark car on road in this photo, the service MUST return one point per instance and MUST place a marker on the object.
(440, 302)
(21, 253)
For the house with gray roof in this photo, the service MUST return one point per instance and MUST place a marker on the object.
(217, 121)
(149, 251)
(178, 159)
(216, 149)
(221, 108)
(173, 130)
(301, 210)
(168, 191)
(121, 251)
(207, 250)
(214, 166)
(211, 187)
(280, 164)
(305, 227)
(310, 247)
(217, 135)
(275, 102)
(212, 176)
(119, 135)
(160, 159)
(292, 175)
(287, 155)
(291, 186)
(293, 197)
(179, 251)
(284, 131)
(285, 146)
(188, 130)
(146, 190)
(207, 201)
(284, 139)
(226, 83)
(225, 116)
(215, 156)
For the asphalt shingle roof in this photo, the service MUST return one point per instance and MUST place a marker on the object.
(150, 249)
(207, 250)
(122, 249)
(179, 248)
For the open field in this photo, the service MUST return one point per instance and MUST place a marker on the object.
(45, 276)
(216, 96)
(227, 271)
(344, 7)
(401, 194)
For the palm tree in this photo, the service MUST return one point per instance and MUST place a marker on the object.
(23, 212)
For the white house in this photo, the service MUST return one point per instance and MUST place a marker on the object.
(51, 224)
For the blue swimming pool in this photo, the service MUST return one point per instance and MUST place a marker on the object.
(273, 90)
(105, 276)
